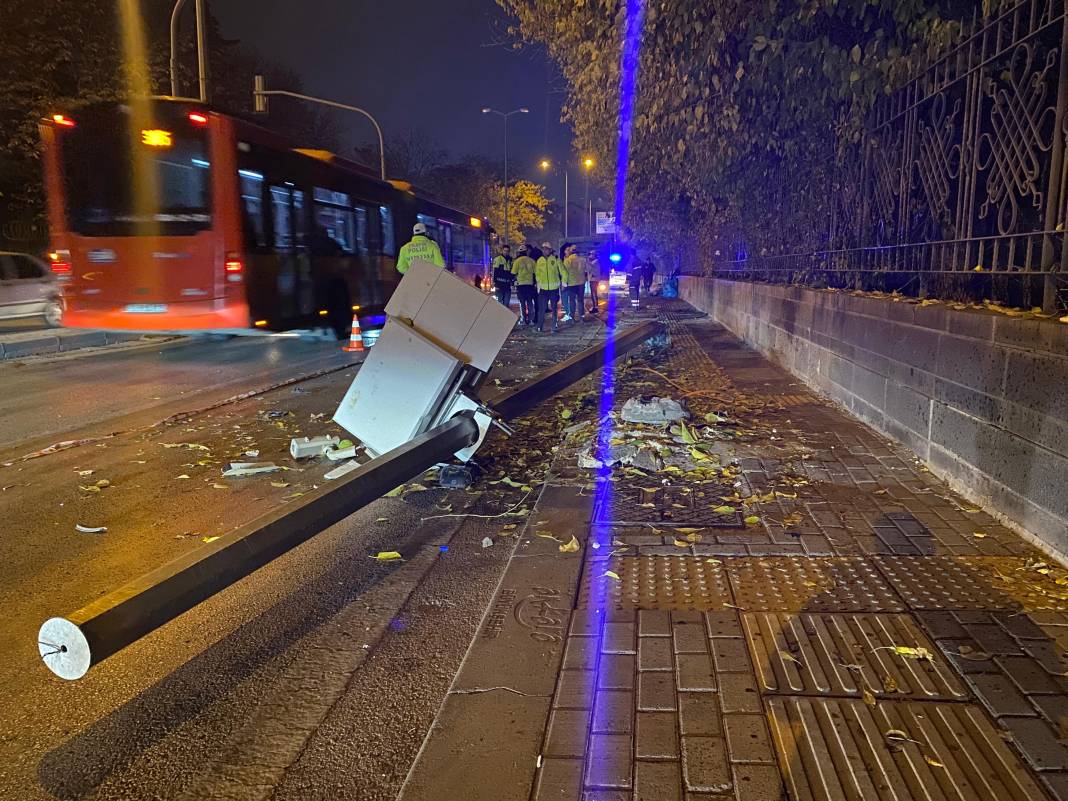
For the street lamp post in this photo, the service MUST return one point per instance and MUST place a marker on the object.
(587, 164)
(506, 115)
(202, 55)
(260, 95)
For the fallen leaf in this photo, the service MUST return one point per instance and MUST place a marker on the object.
(869, 698)
(393, 493)
(889, 684)
(752, 520)
(612, 575)
(381, 519)
(934, 763)
(182, 476)
(897, 737)
(219, 486)
(681, 543)
(570, 547)
(279, 484)
(208, 539)
(790, 657)
(387, 556)
(724, 510)
(912, 653)
(979, 534)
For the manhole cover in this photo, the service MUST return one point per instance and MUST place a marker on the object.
(654, 582)
(670, 506)
(807, 584)
(897, 751)
(973, 582)
(806, 654)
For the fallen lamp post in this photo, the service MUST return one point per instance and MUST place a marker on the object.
(72, 644)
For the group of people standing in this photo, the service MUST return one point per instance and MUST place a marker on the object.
(542, 279)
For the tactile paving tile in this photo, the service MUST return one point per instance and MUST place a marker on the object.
(655, 582)
(803, 654)
(670, 506)
(807, 584)
(933, 583)
(831, 750)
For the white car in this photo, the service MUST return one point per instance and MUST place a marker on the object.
(28, 289)
(617, 280)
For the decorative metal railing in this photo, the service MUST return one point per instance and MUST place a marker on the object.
(960, 185)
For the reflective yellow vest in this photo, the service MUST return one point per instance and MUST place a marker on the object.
(549, 272)
(420, 247)
(575, 269)
(523, 269)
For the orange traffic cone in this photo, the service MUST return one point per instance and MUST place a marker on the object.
(355, 338)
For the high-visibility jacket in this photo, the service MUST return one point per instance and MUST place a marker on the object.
(421, 247)
(549, 272)
(575, 269)
(501, 270)
(523, 269)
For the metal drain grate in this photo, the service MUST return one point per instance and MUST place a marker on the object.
(670, 506)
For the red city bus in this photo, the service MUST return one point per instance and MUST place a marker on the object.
(169, 216)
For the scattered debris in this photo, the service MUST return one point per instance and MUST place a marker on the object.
(307, 447)
(209, 539)
(487, 542)
(570, 547)
(342, 470)
(90, 529)
(252, 454)
(456, 476)
(645, 409)
(339, 454)
(387, 556)
(239, 469)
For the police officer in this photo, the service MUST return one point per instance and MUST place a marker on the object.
(574, 291)
(523, 269)
(548, 277)
(421, 247)
(635, 273)
(502, 275)
(595, 279)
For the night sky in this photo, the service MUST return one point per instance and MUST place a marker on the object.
(428, 65)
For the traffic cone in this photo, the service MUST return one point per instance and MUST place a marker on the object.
(355, 338)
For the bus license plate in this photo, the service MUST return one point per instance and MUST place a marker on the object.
(146, 308)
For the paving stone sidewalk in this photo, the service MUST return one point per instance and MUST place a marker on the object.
(793, 607)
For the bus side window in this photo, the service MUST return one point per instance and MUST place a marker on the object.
(388, 247)
(361, 230)
(252, 219)
(280, 216)
(459, 244)
(300, 219)
(446, 245)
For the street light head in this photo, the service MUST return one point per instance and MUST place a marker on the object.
(545, 164)
(486, 110)
(587, 163)
(524, 110)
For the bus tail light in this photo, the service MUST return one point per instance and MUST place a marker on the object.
(197, 118)
(59, 119)
(61, 267)
(60, 262)
(234, 267)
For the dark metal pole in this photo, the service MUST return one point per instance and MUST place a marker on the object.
(71, 645)
(521, 399)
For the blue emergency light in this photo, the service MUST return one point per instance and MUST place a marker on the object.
(616, 258)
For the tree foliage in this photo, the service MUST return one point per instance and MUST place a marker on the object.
(746, 110)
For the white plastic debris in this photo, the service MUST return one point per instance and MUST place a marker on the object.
(338, 454)
(653, 410)
(90, 529)
(306, 447)
(237, 469)
(338, 472)
(487, 542)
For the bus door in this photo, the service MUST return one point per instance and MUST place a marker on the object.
(293, 275)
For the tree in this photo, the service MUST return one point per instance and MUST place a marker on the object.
(746, 114)
(526, 210)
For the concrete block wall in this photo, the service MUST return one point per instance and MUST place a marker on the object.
(981, 397)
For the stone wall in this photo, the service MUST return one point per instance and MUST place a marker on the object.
(981, 397)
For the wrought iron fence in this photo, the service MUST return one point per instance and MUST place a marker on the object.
(960, 185)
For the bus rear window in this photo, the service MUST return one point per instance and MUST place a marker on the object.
(124, 179)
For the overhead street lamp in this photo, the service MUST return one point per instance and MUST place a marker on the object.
(202, 55)
(260, 94)
(506, 115)
(587, 164)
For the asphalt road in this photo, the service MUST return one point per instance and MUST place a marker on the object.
(224, 701)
